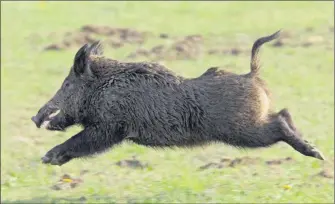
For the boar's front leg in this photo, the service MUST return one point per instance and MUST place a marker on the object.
(89, 141)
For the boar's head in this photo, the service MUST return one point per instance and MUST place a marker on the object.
(67, 106)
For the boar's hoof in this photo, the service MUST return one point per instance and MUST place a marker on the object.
(317, 154)
(55, 157)
(46, 159)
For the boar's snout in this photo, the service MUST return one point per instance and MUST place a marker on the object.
(44, 115)
(35, 120)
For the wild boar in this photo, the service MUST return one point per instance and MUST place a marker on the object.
(150, 105)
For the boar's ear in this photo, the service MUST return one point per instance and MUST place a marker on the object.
(82, 58)
(96, 48)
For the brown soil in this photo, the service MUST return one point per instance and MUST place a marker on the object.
(66, 182)
(125, 35)
(309, 29)
(167, 47)
(82, 172)
(326, 173)
(115, 37)
(133, 163)
(189, 47)
(55, 47)
(278, 43)
(307, 38)
(226, 51)
(284, 39)
(228, 162)
(279, 161)
(164, 35)
(243, 161)
(211, 165)
(313, 40)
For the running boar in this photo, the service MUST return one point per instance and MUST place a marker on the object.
(148, 104)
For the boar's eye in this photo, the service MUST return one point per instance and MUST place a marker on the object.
(66, 84)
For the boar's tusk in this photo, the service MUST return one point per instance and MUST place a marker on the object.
(54, 114)
(45, 124)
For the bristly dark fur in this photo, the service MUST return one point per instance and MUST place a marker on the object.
(149, 105)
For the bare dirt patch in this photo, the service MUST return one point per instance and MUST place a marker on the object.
(66, 182)
(279, 161)
(228, 162)
(313, 40)
(115, 37)
(186, 48)
(132, 163)
(242, 161)
(285, 38)
(190, 47)
(326, 173)
(304, 38)
(164, 46)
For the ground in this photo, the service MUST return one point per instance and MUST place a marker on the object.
(38, 43)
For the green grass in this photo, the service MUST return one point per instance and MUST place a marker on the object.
(301, 79)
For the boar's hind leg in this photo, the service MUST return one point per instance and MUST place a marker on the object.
(279, 128)
(86, 143)
(293, 137)
(284, 113)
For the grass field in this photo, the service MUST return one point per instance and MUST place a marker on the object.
(299, 72)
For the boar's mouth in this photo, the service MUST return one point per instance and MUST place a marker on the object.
(44, 116)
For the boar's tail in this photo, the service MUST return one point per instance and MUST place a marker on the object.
(254, 64)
